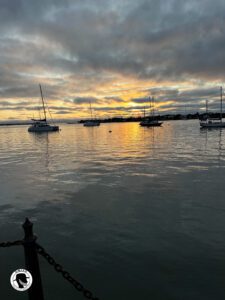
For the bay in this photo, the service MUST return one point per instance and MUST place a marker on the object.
(138, 213)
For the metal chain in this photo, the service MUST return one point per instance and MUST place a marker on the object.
(64, 273)
(9, 244)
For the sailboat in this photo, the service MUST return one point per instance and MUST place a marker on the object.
(92, 122)
(151, 121)
(42, 125)
(214, 122)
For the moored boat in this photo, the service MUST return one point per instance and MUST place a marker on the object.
(210, 122)
(92, 122)
(151, 121)
(42, 125)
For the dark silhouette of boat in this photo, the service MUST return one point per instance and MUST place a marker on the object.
(42, 125)
(151, 120)
(209, 122)
(92, 122)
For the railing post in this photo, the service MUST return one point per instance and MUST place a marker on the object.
(35, 292)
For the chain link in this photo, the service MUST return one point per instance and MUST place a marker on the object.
(57, 267)
(9, 244)
(87, 294)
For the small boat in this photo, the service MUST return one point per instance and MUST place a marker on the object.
(150, 121)
(209, 122)
(42, 125)
(212, 123)
(92, 122)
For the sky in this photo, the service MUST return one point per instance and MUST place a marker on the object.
(112, 53)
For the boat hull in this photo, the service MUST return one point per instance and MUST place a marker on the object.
(91, 124)
(213, 125)
(153, 124)
(47, 128)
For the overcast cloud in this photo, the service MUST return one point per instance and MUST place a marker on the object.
(80, 49)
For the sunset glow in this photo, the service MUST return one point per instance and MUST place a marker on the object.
(112, 54)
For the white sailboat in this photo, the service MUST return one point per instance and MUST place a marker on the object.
(92, 122)
(151, 121)
(42, 125)
(214, 122)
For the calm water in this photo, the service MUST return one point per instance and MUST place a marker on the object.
(138, 213)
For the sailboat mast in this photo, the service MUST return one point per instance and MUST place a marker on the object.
(43, 104)
(91, 110)
(153, 107)
(221, 103)
(206, 106)
(150, 105)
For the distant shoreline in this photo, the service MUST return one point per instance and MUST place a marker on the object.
(11, 124)
(167, 117)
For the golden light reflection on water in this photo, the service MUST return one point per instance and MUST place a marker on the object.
(136, 141)
(153, 163)
(79, 155)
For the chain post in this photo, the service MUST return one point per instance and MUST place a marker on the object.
(31, 250)
(35, 292)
